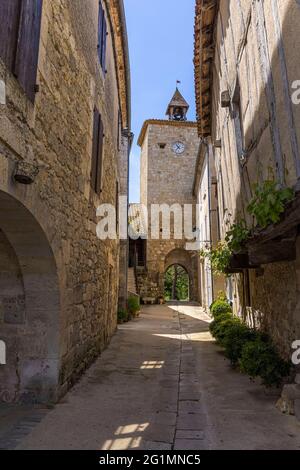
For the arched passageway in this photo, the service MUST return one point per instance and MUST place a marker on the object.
(29, 307)
(187, 269)
(177, 283)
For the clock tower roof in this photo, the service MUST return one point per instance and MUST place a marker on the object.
(178, 107)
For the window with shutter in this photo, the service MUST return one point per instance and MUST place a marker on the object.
(20, 38)
(97, 156)
(9, 19)
(28, 45)
(102, 35)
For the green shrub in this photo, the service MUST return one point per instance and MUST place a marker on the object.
(259, 358)
(122, 316)
(215, 325)
(134, 305)
(224, 327)
(219, 307)
(234, 340)
(221, 296)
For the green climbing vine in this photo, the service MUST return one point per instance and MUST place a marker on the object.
(237, 236)
(269, 203)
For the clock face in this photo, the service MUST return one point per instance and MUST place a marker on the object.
(178, 148)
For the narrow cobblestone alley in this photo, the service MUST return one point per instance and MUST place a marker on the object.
(161, 384)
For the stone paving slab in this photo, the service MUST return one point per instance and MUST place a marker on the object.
(190, 407)
(17, 422)
(192, 422)
(187, 394)
(189, 444)
(169, 383)
(148, 445)
(160, 433)
(168, 395)
(166, 406)
(188, 435)
(165, 418)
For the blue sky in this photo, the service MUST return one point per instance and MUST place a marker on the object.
(161, 43)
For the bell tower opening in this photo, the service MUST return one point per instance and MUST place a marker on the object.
(178, 107)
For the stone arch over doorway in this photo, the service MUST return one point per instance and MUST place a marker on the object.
(187, 261)
(177, 283)
(29, 307)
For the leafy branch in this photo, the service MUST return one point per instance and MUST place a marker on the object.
(269, 203)
(237, 236)
(219, 257)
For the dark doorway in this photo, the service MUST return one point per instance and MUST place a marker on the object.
(137, 253)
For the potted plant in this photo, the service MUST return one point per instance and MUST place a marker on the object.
(122, 316)
(134, 306)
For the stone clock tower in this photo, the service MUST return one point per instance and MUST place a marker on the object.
(169, 150)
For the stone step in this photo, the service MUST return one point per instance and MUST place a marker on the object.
(132, 281)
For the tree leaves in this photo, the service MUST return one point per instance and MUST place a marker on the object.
(269, 203)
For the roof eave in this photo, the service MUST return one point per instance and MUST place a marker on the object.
(205, 19)
(117, 16)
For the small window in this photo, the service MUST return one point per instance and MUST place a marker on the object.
(162, 146)
(97, 156)
(102, 35)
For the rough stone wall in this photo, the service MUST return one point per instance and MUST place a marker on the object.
(255, 46)
(276, 302)
(167, 179)
(144, 173)
(55, 134)
(124, 245)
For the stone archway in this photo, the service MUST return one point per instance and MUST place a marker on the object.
(29, 307)
(177, 284)
(188, 262)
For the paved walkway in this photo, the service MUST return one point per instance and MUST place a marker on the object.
(162, 384)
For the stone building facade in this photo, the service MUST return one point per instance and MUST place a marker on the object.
(64, 128)
(168, 161)
(206, 193)
(246, 82)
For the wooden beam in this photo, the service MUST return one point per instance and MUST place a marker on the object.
(242, 261)
(273, 252)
